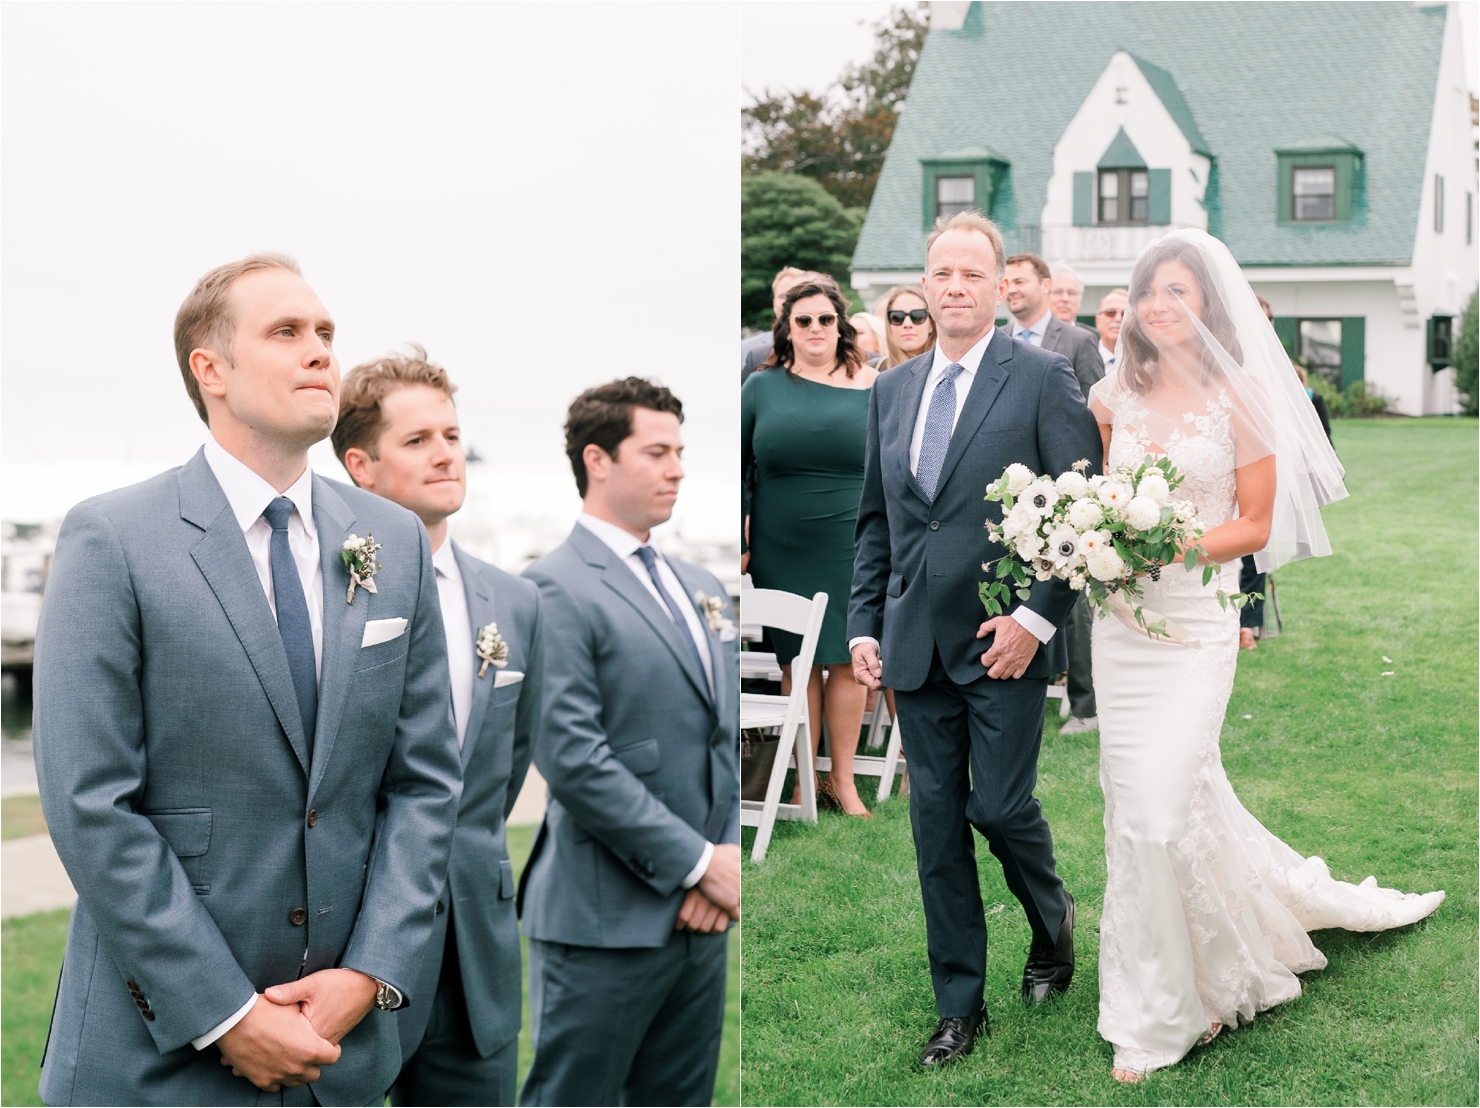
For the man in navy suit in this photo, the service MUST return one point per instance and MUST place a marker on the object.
(970, 694)
(398, 436)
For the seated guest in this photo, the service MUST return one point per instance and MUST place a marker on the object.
(635, 873)
(398, 437)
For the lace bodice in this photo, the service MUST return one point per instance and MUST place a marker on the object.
(1201, 446)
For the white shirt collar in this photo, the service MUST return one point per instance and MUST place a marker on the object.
(622, 543)
(1039, 328)
(249, 494)
(445, 561)
(1106, 354)
(969, 362)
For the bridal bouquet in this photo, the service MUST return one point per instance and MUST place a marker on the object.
(1102, 534)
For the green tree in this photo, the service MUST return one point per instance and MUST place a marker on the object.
(840, 138)
(787, 220)
(1466, 353)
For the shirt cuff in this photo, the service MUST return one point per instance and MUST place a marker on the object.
(224, 1026)
(697, 873)
(852, 643)
(1042, 630)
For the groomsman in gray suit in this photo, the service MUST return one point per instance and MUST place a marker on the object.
(398, 436)
(247, 760)
(635, 874)
(1028, 285)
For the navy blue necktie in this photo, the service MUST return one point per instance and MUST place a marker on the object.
(650, 559)
(940, 421)
(292, 617)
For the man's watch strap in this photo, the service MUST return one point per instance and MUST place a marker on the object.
(387, 997)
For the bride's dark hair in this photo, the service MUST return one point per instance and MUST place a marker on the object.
(1139, 370)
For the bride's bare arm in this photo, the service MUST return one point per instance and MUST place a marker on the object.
(1105, 430)
(1250, 531)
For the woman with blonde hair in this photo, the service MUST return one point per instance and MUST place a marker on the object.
(911, 331)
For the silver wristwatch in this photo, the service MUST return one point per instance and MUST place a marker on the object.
(387, 997)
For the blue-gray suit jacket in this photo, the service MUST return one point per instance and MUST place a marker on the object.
(642, 763)
(917, 563)
(180, 794)
(497, 744)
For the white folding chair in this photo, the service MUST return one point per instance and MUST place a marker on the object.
(1061, 694)
(787, 612)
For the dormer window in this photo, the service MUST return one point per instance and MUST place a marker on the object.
(1123, 195)
(954, 194)
(960, 180)
(1314, 192)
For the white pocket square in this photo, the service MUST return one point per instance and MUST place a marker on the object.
(729, 634)
(382, 630)
(507, 677)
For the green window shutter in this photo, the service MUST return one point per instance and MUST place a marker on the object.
(1159, 197)
(1353, 349)
(1285, 328)
(1084, 199)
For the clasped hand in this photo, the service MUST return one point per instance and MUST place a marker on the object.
(294, 1029)
(1012, 649)
(711, 904)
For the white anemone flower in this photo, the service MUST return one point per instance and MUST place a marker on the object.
(1019, 477)
(1040, 497)
(1115, 495)
(1063, 545)
(1142, 513)
(1105, 564)
(1153, 485)
(1086, 514)
(1043, 570)
(1072, 485)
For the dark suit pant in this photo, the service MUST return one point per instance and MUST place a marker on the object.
(1078, 629)
(973, 763)
(446, 1068)
(1251, 580)
(637, 1026)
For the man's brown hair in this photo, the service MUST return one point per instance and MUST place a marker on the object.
(205, 318)
(603, 416)
(1039, 266)
(365, 389)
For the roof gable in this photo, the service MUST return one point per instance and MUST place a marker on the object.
(1122, 153)
(1166, 88)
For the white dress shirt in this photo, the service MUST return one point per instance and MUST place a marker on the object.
(458, 627)
(1107, 356)
(248, 494)
(624, 545)
(969, 362)
(1033, 333)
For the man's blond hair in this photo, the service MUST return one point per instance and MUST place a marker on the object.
(789, 271)
(365, 389)
(971, 220)
(205, 319)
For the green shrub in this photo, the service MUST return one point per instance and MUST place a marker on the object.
(1361, 400)
(786, 219)
(1466, 350)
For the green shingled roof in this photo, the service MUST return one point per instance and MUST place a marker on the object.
(1240, 79)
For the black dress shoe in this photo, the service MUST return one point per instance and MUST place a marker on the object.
(954, 1038)
(1051, 968)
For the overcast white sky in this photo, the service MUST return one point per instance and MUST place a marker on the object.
(544, 195)
(804, 44)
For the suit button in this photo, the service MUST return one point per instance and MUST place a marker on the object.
(313, 817)
(298, 917)
(935, 525)
(148, 1015)
(439, 909)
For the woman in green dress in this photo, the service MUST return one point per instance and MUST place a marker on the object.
(803, 418)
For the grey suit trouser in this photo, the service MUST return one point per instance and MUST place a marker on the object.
(638, 1026)
(1078, 630)
(447, 1068)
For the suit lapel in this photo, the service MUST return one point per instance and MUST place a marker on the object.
(990, 377)
(344, 624)
(227, 566)
(909, 412)
(711, 639)
(480, 614)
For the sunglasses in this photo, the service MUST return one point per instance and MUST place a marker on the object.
(826, 319)
(917, 317)
(1110, 313)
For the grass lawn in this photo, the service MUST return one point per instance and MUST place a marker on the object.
(1375, 774)
(32, 957)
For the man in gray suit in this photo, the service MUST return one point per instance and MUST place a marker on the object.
(1028, 284)
(970, 694)
(243, 741)
(635, 874)
(398, 436)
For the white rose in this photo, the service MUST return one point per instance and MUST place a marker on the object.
(1022, 520)
(1028, 546)
(1115, 495)
(1040, 497)
(1072, 485)
(1142, 513)
(1091, 541)
(1097, 480)
(1154, 487)
(1105, 564)
(1019, 477)
(1086, 514)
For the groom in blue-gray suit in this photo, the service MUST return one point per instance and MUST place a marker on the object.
(635, 874)
(398, 436)
(970, 693)
(246, 756)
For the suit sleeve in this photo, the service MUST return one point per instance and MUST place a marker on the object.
(1067, 433)
(1089, 367)
(527, 717)
(584, 774)
(419, 792)
(871, 539)
(91, 762)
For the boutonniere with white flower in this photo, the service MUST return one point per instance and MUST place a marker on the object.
(491, 648)
(358, 556)
(713, 608)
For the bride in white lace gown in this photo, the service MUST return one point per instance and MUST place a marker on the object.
(1206, 912)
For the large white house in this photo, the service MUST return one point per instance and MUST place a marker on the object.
(1331, 145)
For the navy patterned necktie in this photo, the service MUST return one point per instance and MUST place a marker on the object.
(650, 560)
(292, 617)
(940, 421)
